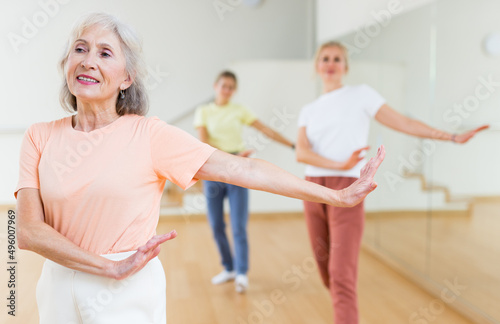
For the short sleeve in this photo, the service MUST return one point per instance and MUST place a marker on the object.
(303, 117)
(199, 118)
(31, 152)
(373, 100)
(177, 156)
(248, 117)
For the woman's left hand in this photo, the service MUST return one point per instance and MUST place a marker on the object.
(463, 138)
(246, 153)
(134, 263)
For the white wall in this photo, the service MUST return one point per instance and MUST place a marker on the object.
(276, 91)
(461, 65)
(337, 18)
(186, 43)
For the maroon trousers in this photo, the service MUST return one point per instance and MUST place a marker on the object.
(335, 234)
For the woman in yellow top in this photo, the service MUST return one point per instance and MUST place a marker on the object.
(220, 124)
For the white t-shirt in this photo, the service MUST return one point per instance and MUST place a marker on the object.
(337, 124)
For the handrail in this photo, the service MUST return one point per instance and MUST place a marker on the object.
(190, 111)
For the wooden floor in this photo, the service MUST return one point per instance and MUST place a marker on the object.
(444, 247)
(284, 284)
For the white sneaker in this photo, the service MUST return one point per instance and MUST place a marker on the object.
(223, 277)
(241, 283)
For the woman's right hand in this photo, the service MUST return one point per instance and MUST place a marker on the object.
(134, 263)
(354, 159)
(465, 137)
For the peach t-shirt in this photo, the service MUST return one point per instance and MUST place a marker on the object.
(102, 189)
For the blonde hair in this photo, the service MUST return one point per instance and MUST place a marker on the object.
(136, 98)
(333, 44)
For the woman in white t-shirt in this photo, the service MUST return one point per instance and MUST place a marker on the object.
(333, 134)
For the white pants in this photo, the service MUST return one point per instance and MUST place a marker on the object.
(66, 296)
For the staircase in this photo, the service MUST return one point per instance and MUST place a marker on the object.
(460, 202)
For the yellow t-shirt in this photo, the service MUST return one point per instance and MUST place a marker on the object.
(224, 125)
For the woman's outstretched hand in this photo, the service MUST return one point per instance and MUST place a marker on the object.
(463, 138)
(356, 192)
(127, 267)
(354, 159)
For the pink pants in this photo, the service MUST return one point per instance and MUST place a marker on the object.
(335, 234)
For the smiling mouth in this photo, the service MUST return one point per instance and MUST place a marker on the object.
(87, 79)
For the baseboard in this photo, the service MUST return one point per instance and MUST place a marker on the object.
(416, 213)
(256, 216)
(5, 208)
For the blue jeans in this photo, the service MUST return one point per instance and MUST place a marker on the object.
(238, 210)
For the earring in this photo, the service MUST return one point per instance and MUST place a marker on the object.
(122, 94)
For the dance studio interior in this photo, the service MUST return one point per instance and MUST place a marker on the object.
(428, 253)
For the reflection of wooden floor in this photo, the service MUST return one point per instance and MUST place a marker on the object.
(447, 247)
(279, 248)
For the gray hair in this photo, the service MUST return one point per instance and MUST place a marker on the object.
(136, 98)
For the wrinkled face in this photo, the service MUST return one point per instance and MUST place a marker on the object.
(95, 69)
(224, 88)
(331, 64)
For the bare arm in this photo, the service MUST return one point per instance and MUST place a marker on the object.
(393, 119)
(202, 134)
(37, 236)
(261, 175)
(272, 134)
(305, 154)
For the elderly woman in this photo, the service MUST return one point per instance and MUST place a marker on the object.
(90, 184)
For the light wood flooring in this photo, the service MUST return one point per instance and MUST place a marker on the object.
(443, 247)
(284, 284)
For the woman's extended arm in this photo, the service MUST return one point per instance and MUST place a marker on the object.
(272, 134)
(261, 175)
(35, 235)
(305, 154)
(202, 134)
(393, 119)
